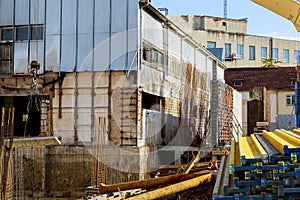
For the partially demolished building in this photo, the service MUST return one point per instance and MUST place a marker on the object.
(115, 81)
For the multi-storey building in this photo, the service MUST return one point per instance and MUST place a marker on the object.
(114, 78)
(240, 49)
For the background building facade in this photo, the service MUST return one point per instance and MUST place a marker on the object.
(240, 49)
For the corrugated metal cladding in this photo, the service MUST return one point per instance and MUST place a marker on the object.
(79, 35)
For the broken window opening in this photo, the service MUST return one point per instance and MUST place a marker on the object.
(31, 116)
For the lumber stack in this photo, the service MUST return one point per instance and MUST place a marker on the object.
(261, 166)
(153, 188)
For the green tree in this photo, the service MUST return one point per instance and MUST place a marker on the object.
(270, 62)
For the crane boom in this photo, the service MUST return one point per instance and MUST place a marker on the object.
(289, 9)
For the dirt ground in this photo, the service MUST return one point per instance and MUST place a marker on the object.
(201, 192)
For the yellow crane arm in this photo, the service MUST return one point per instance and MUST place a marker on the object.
(289, 9)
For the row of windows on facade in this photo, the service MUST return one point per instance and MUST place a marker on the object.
(156, 57)
(240, 52)
(22, 33)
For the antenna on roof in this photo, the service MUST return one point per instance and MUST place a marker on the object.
(225, 8)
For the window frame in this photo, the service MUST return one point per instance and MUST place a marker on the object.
(263, 52)
(275, 54)
(251, 51)
(211, 44)
(39, 35)
(238, 82)
(286, 53)
(296, 57)
(1, 34)
(290, 99)
(239, 51)
(227, 52)
(26, 38)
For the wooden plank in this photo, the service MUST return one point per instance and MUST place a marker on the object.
(149, 183)
(34, 141)
(192, 163)
(174, 188)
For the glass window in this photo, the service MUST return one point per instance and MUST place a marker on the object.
(263, 53)
(211, 44)
(296, 56)
(290, 99)
(240, 51)
(285, 55)
(160, 59)
(22, 33)
(227, 50)
(7, 34)
(251, 52)
(36, 33)
(154, 56)
(275, 53)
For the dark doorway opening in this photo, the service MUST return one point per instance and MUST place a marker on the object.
(27, 115)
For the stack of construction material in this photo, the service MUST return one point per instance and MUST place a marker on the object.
(261, 166)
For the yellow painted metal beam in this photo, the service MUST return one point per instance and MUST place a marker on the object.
(297, 131)
(260, 149)
(248, 150)
(278, 142)
(289, 9)
(291, 133)
(291, 139)
(232, 157)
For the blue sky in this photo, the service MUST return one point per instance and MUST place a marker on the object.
(260, 20)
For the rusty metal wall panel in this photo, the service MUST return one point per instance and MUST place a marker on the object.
(6, 56)
(21, 57)
(37, 11)
(6, 12)
(172, 107)
(22, 12)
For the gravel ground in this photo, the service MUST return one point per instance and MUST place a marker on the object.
(200, 192)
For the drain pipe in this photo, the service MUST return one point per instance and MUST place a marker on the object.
(297, 95)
